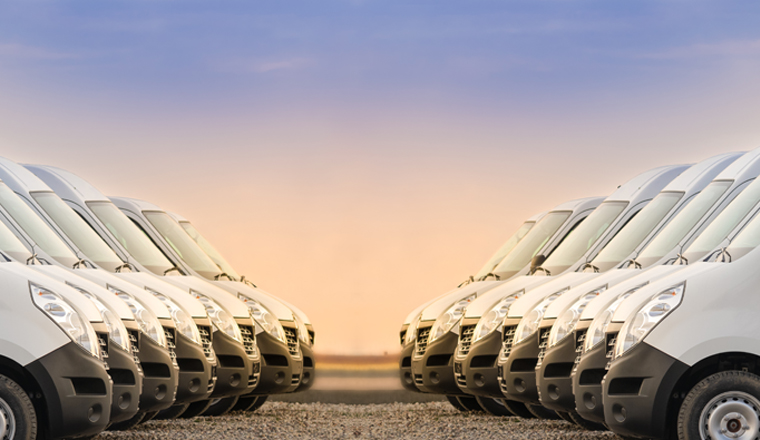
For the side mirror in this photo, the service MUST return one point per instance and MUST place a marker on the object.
(537, 261)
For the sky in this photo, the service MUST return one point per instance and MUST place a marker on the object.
(357, 158)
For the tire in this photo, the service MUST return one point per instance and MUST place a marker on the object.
(519, 409)
(542, 413)
(259, 402)
(455, 403)
(704, 410)
(221, 407)
(564, 415)
(244, 403)
(469, 403)
(195, 409)
(172, 412)
(19, 420)
(494, 407)
(128, 424)
(586, 424)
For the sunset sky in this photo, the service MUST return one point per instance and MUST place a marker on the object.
(359, 157)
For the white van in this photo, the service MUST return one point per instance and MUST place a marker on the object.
(738, 192)
(685, 361)
(53, 378)
(439, 329)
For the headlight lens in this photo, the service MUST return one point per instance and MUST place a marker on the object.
(117, 332)
(182, 319)
(566, 323)
(67, 318)
(221, 318)
(450, 318)
(146, 319)
(598, 328)
(303, 332)
(530, 322)
(411, 331)
(638, 325)
(264, 318)
(495, 317)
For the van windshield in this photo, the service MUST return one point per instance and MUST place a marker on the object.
(11, 245)
(724, 223)
(505, 249)
(210, 250)
(135, 241)
(531, 244)
(36, 228)
(746, 240)
(187, 249)
(75, 228)
(669, 237)
(584, 236)
(632, 234)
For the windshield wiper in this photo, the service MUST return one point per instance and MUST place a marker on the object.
(80, 263)
(467, 281)
(173, 269)
(250, 283)
(542, 269)
(129, 266)
(489, 274)
(593, 268)
(223, 274)
(680, 260)
(632, 263)
(33, 261)
(721, 253)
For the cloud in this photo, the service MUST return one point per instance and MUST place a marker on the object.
(262, 66)
(13, 50)
(735, 48)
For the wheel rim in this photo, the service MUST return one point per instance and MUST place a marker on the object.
(732, 415)
(7, 421)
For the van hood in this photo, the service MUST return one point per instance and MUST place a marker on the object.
(437, 307)
(145, 280)
(633, 278)
(487, 300)
(593, 282)
(535, 294)
(275, 306)
(230, 302)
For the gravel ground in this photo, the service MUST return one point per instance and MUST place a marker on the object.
(432, 420)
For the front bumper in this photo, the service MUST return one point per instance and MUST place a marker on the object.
(160, 373)
(77, 391)
(637, 392)
(235, 370)
(588, 376)
(432, 368)
(309, 368)
(517, 372)
(126, 378)
(197, 366)
(476, 373)
(280, 369)
(405, 368)
(554, 374)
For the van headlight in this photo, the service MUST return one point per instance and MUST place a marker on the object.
(638, 325)
(117, 332)
(411, 331)
(68, 319)
(530, 322)
(264, 318)
(303, 332)
(146, 319)
(495, 317)
(597, 331)
(221, 318)
(182, 319)
(566, 323)
(450, 318)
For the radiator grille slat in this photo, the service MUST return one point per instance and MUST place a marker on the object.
(610, 340)
(291, 336)
(422, 341)
(543, 344)
(465, 339)
(508, 340)
(580, 341)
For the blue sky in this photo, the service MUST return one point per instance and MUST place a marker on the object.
(372, 152)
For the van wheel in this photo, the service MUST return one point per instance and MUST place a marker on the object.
(221, 407)
(18, 420)
(172, 412)
(541, 413)
(259, 402)
(455, 403)
(722, 406)
(494, 407)
(128, 424)
(470, 403)
(586, 424)
(195, 409)
(519, 409)
(244, 403)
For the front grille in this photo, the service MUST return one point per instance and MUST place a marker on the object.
(206, 342)
(458, 376)
(249, 339)
(403, 335)
(610, 340)
(465, 339)
(292, 338)
(134, 343)
(103, 343)
(311, 337)
(422, 341)
(500, 376)
(418, 379)
(296, 379)
(509, 339)
(580, 341)
(543, 344)
(212, 379)
(170, 345)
